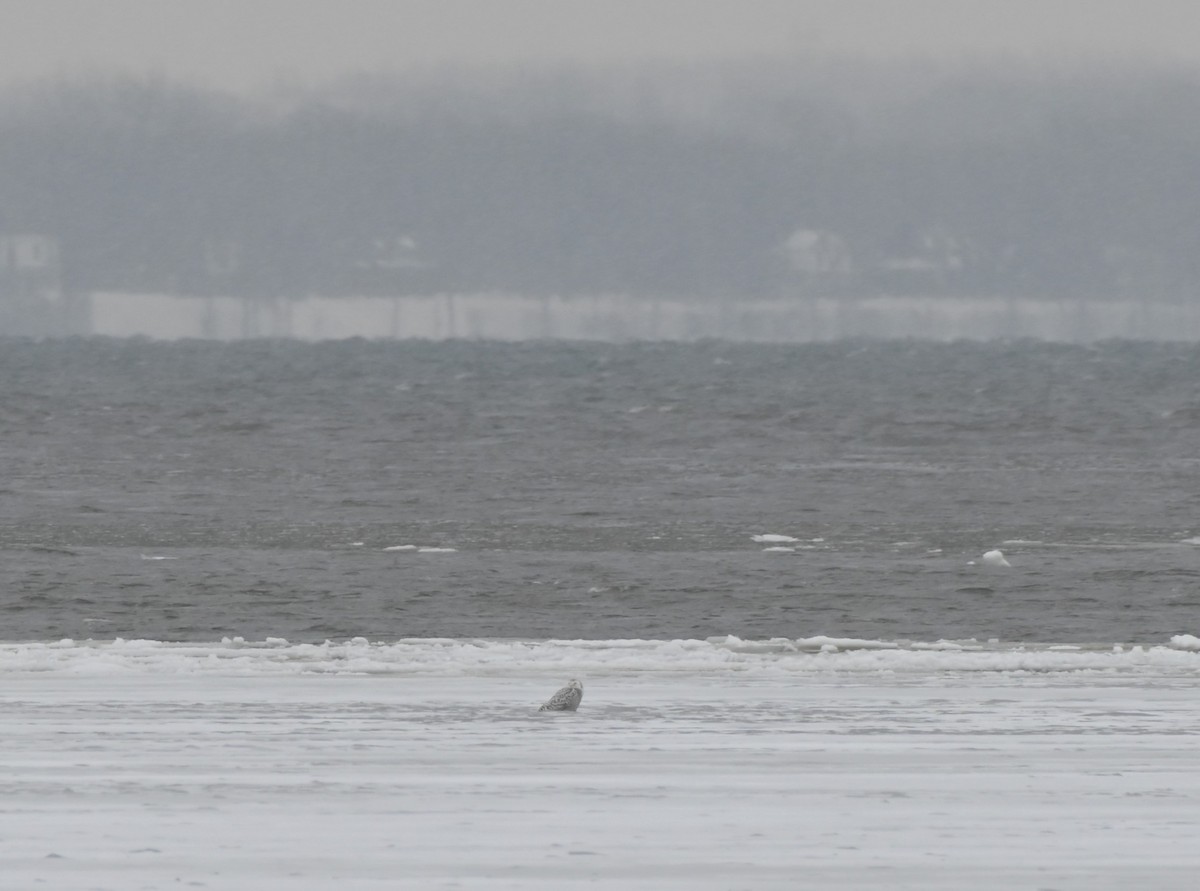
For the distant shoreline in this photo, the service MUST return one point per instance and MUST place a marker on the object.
(620, 318)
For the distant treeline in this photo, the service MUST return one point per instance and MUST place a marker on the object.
(774, 179)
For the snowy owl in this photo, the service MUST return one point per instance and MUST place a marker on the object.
(565, 700)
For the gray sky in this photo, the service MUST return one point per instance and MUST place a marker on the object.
(248, 44)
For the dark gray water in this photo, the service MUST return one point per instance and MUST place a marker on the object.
(195, 490)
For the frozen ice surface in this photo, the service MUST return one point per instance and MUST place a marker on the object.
(138, 776)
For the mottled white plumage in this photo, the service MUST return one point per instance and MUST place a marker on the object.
(565, 700)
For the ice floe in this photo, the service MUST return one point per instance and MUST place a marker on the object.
(995, 558)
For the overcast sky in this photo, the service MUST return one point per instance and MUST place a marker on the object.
(250, 44)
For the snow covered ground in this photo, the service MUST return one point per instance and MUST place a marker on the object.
(619, 318)
(140, 765)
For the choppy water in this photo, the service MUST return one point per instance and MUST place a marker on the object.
(194, 490)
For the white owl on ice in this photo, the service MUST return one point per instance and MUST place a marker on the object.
(565, 700)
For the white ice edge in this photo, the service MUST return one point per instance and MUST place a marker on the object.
(444, 657)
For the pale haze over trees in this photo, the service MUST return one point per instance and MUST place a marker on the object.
(707, 180)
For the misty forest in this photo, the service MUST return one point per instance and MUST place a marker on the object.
(766, 179)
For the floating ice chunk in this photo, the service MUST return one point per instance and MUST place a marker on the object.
(436, 550)
(772, 538)
(157, 557)
(995, 558)
(401, 548)
(1185, 642)
(779, 549)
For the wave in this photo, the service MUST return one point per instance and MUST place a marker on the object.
(723, 655)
